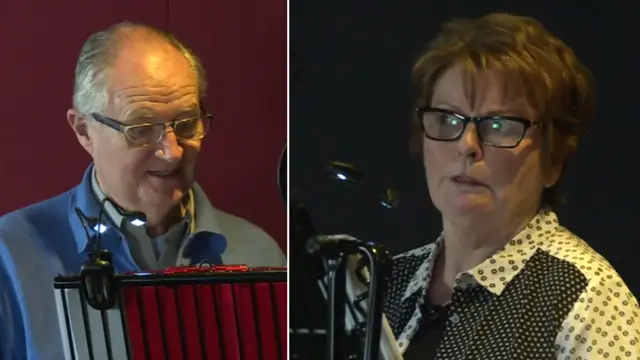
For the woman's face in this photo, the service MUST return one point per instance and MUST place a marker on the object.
(467, 177)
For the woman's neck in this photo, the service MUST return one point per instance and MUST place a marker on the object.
(468, 243)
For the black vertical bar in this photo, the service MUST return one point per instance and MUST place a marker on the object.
(276, 321)
(256, 316)
(235, 315)
(67, 321)
(107, 335)
(143, 325)
(164, 337)
(87, 325)
(219, 322)
(203, 348)
(336, 297)
(183, 340)
(125, 324)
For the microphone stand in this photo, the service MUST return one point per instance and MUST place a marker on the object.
(336, 297)
(307, 328)
(336, 252)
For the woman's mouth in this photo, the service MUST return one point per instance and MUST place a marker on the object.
(467, 180)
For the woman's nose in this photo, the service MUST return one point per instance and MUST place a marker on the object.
(469, 144)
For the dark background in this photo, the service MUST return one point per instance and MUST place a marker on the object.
(351, 101)
(243, 46)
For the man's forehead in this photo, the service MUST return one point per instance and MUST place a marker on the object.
(142, 111)
(139, 72)
(152, 60)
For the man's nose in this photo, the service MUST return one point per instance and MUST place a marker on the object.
(170, 148)
(469, 144)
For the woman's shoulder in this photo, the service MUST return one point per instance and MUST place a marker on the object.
(569, 247)
(605, 317)
(420, 252)
(423, 252)
(407, 264)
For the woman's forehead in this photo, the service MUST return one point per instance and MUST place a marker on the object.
(474, 88)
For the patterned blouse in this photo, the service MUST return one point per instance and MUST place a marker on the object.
(545, 295)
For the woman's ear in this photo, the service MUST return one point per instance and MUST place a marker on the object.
(552, 176)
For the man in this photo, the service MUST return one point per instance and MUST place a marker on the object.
(138, 113)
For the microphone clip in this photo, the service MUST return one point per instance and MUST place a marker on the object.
(98, 281)
(98, 274)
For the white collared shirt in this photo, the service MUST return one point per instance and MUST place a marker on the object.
(546, 294)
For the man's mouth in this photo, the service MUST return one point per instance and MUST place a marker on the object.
(164, 174)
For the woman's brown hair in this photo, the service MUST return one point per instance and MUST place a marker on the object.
(558, 86)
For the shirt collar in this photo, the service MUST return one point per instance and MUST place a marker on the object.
(497, 271)
(204, 214)
(110, 210)
(517, 250)
(84, 198)
(119, 220)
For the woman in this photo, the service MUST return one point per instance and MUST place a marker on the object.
(501, 106)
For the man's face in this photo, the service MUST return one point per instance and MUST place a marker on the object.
(147, 84)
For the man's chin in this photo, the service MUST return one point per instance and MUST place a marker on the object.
(166, 184)
(166, 199)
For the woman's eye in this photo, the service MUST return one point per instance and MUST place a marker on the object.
(450, 120)
(496, 125)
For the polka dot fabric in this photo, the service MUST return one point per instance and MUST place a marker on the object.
(545, 295)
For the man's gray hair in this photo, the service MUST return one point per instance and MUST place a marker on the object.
(99, 52)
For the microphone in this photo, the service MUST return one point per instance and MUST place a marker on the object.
(282, 175)
(334, 246)
(97, 273)
(135, 218)
(218, 244)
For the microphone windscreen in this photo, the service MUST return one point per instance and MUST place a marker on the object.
(216, 242)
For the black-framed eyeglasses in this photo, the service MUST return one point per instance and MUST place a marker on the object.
(497, 131)
(149, 134)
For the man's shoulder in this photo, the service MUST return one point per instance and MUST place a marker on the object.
(34, 221)
(32, 243)
(51, 209)
(235, 228)
(243, 236)
(237, 225)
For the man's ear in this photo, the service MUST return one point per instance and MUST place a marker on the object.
(80, 127)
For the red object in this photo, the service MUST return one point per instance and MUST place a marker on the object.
(205, 269)
(227, 321)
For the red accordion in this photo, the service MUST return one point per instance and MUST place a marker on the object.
(184, 313)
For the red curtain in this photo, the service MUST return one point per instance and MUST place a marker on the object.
(243, 45)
